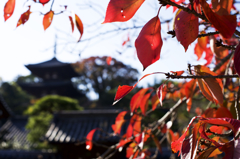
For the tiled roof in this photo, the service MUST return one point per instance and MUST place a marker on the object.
(73, 126)
(50, 63)
(13, 131)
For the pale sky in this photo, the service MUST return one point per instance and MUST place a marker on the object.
(29, 43)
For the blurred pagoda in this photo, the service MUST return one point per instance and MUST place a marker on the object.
(53, 77)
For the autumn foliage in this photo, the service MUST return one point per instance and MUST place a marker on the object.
(211, 26)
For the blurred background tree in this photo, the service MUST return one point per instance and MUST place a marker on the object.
(17, 99)
(97, 75)
(41, 113)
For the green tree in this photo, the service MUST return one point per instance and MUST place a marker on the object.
(17, 99)
(41, 113)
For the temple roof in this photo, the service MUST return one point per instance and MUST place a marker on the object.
(53, 66)
(13, 131)
(73, 126)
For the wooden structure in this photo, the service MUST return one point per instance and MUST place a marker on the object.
(55, 78)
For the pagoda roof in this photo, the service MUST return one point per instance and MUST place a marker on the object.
(53, 65)
(50, 63)
(73, 126)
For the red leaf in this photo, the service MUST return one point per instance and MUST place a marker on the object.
(198, 51)
(137, 99)
(144, 103)
(125, 41)
(202, 41)
(223, 112)
(121, 92)
(189, 91)
(89, 139)
(121, 10)
(137, 126)
(176, 145)
(79, 26)
(236, 59)
(161, 94)
(155, 102)
(222, 7)
(225, 24)
(119, 122)
(123, 142)
(186, 28)
(209, 56)
(72, 24)
(109, 60)
(149, 43)
(44, 1)
(8, 9)
(211, 88)
(47, 19)
(24, 17)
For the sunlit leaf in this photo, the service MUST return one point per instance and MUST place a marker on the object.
(149, 42)
(121, 10)
(222, 7)
(79, 26)
(121, 92)
(24, 17)
(225, 24)
(154, 102)
(72, 24)
(119, 122)
(144, 103)
(186, 28)
(47, 19)
(89, 139)
(8, 9)
(137, 98)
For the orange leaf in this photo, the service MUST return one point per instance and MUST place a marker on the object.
(47, 19)
(108, 60)
(8, 9)
(225, 24)
(144, 103)
(79, 26)
(72, 24)
(186, 28)
(89, 139)
(117, 126)
(155, 102)
(149, 42)
(137, 99)
(223, 112)
(222, 7)
(119, 122)
(198, 51)
(202, 41)
(121, 10)
(137, 126)
(24, 17)
(121, 92)
(209, 56)
(44, 1)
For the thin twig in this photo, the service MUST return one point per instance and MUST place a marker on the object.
(172, 76)
(237, 102)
